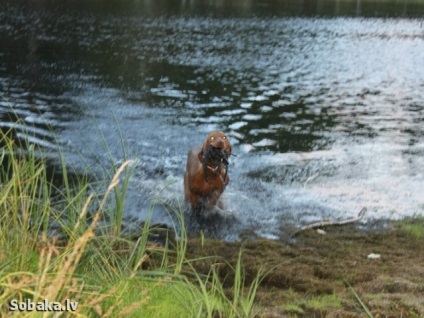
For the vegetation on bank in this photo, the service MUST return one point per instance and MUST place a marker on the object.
(107, 274)
(111, 275)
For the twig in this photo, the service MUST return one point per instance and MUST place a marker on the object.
(331, 223)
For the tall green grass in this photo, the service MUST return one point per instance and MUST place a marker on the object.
(215, 302)
(363, 305)
(109, 275)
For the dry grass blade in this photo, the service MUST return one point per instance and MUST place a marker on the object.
(67, 267)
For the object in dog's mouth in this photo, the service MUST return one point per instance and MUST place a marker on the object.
(213, 157)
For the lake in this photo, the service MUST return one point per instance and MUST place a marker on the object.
(322, 100)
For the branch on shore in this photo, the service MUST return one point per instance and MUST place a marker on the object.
(331, 223)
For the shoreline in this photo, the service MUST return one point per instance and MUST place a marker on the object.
(318, 275)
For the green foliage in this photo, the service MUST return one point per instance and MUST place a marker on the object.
(324, 302)
(107, 274)
(413, 226)
(363, 305)
(300, 305)
(214, 301)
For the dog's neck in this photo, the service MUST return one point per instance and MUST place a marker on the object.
(214, 171)
(214, 163)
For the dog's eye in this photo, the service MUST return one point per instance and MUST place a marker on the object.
(212, 137)
(224, 137)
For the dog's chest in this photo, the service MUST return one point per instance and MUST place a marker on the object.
(214, 176)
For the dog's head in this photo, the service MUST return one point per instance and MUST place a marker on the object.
(217, 140)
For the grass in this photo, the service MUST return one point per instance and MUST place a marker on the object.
(107, 274)
(363, 305)
(300, 305)
(213, 296)
(414, 226)
(111, 275)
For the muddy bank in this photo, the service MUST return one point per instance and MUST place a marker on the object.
(311, 277)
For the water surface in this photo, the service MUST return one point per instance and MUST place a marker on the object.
(322, 101)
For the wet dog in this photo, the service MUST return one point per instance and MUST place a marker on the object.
(206, 173)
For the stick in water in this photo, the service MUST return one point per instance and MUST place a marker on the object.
(331, 223)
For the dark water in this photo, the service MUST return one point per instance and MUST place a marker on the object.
(322, 100)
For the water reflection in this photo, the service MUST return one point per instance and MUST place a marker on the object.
(245, 8)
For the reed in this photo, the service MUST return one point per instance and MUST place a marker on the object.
(213, 299)
(107, 274)
(363, 305)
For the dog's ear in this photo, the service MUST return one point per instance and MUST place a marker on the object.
(227, 146)
(230, 149)
(204, 147)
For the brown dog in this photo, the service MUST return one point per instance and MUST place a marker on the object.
(206, 173)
